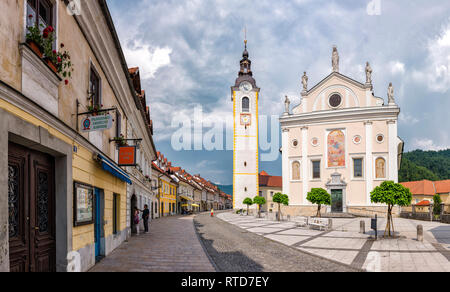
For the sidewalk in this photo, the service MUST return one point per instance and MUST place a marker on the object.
(171, 246)
(344, 244)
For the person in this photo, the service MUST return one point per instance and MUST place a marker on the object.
(212, 212)
(136, 219)
(145, 216)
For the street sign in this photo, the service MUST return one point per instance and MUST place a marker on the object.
(96, 123)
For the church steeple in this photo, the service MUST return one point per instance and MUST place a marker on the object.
(246, 64)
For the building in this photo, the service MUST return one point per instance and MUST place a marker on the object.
(140, 192)
(167, 193)
(62, 131)
(269, 186)
(423, 192)
(245, 95)
(342, 138)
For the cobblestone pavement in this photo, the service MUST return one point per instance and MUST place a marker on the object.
(236, 250)
(171, 246)
(346, 245)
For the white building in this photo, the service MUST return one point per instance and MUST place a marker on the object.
(342, 138)
(245, 96)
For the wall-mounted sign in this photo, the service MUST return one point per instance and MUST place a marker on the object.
(83, 204)
(96, 123)
(127, 156)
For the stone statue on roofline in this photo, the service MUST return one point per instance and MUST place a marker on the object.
(335, 59)
(391, 94)
(305, 82)
(287, 103)
(368, 73)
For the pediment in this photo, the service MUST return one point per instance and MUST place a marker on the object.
(336, 78)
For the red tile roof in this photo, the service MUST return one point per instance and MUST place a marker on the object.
(424, 187)
(442, 186)
(266, 180)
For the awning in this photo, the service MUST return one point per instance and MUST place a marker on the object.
(186, 198)
(110, 167)
(195, 205)
(185, 205)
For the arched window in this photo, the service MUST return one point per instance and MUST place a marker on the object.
(296, 170)
(245, 105)
(380, 168)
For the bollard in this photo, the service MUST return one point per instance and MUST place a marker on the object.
(362, 227)
(420, 233)
(330, 223)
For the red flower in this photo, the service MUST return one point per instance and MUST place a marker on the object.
(30, 16)
(66, 81)
(59, 60)
(50, 28)
(45, 34)
(62, 45)
(54, 52)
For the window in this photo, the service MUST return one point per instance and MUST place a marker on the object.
(118, 123)
(41, 12)
(380, 168)
(316, 169)
(271, 194)
(260, 193)
(335, 100)
(94, 88)
(295, 143)
(245, 105)
(116, 210)
(380, 138)
(357, 167)
(296, 170)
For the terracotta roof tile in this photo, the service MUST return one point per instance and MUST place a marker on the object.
(424, 187)
(442, 186)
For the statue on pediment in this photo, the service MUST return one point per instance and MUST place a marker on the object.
(287, 103)
(391, 94)
(305, 82)
(368, 73)
(335, 59)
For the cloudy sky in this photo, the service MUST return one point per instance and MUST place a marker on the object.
(189, 53)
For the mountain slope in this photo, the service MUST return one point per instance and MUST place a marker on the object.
(420, 165)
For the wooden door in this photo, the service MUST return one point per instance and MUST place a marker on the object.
(31, 198)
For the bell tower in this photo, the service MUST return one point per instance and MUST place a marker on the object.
(244, 95)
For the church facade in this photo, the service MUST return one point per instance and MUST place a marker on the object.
(341, 138)
(244, 95)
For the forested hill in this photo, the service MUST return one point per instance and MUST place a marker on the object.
(420, 165)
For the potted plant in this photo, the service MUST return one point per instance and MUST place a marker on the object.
(34, 38)
(94, 109)
(50, 55)
(120, 141)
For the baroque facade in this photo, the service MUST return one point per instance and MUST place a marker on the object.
(341, 138)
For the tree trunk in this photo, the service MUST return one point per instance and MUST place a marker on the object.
(247, 209)
(259, 211)
(318, 211)
(389, 222)
(279, 212)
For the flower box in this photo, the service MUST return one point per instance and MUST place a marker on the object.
(51, 65)
(35, 48)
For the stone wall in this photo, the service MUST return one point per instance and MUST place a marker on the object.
(445, 218)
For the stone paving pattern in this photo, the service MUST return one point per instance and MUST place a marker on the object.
(344, 244)
(171, 246)
(236, 250)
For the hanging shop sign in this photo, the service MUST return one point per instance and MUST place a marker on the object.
(96, 123)
(127, 156)
(83, 204)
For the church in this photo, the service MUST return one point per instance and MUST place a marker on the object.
(342, 138)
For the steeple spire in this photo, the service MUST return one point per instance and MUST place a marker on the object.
(246, 64)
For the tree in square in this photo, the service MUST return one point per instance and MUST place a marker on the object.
(248, 202)
(320, 197)
(258, 200)
(280, 198)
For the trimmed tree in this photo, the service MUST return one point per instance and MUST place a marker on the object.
(391, 194)
(280, 198)
(259, 201)
(248, 202)
(320, 197)
(437, 205)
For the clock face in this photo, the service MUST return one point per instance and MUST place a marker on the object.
(246, 86)
(246, 119)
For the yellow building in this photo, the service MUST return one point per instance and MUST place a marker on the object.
(47, 161)
(167, 187)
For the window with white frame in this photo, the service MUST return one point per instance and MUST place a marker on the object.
(315, 169)
(358, 167)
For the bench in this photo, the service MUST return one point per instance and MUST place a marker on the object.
(319, 222)
(300, 221)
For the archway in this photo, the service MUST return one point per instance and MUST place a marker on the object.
(133, 206)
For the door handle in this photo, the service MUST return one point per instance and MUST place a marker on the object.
(36, 228)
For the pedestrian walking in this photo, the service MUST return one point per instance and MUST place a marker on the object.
(136, 219)
(145, 216)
